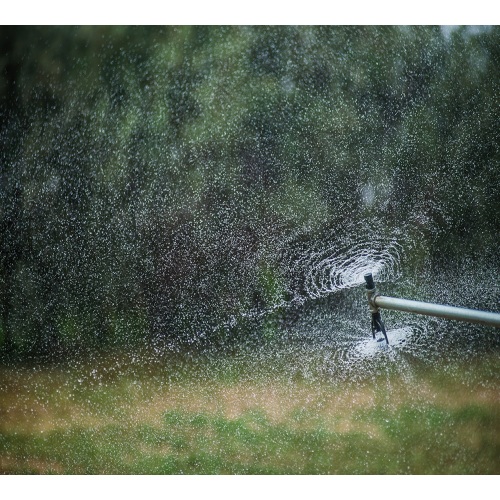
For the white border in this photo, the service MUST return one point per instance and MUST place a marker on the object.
(147, 12)
(249, 487)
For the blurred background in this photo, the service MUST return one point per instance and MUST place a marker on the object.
(170, 184)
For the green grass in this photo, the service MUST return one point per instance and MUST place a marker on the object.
(130, 423)
(429, 440)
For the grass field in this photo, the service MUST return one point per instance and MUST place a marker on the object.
(121, 416)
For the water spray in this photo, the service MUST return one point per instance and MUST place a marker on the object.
(377, 302)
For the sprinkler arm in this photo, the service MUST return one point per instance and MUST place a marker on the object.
(377, 302)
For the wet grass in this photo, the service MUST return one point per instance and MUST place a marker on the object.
(96, 419)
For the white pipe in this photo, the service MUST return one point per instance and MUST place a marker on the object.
(449, 312)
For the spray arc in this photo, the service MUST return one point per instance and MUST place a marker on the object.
(377, 302)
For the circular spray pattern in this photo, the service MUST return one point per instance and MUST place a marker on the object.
(323, 325)
(344, 265)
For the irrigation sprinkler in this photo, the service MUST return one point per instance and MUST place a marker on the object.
(377, 302)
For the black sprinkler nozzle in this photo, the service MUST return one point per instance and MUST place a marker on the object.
(370, 284)
(377, 323)
(378, 326)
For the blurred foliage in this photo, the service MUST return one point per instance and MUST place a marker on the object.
(148, 172)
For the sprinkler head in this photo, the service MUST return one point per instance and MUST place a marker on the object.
(377, 323)
(370, 284)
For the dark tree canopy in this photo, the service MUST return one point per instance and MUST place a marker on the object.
(159, 182)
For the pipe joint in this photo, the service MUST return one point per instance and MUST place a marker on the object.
(371, 293)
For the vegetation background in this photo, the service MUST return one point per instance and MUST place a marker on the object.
(164, 186)
(151, 177)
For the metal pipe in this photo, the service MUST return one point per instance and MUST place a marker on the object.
(449, 312)
(377, 302)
